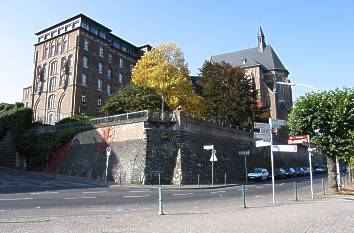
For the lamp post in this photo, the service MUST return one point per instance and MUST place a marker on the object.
(297, 84)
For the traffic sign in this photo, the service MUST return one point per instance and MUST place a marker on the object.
(108, 151)
(276, 123)
(244, 152)
(262, 143)
(285, 148)
(213, 157)
(260, 125)
(297, 139)
(209, 147)
(264, 136)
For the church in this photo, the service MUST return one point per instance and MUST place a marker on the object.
(263, 65)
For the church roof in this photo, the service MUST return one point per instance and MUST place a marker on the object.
(268, 59)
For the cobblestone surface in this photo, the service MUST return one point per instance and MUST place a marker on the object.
(329, 214)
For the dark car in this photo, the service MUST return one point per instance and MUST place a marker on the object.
(290, 172)
(320, 169)
(299, 171)
(306, 170)
(279, 173)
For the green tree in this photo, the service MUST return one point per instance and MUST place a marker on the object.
(328, 117)
(164, 69)
(231, 97)
(132, 98)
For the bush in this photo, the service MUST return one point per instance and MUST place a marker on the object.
(73, 119)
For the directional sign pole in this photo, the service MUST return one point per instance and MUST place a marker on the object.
(246, 168)
(108, 153)
(212, 167)
(310, 162)
(272, 159)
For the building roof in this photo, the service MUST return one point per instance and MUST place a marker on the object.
(268, 59)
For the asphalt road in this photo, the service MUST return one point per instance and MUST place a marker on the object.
(36, 191)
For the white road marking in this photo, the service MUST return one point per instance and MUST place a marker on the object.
(74, 198)
(139, 196)
(16, 199)
(281, 184)
(259, 187)
(139, 191)
(217, 192)
(182, 194)
(88, 192)
(41, 193)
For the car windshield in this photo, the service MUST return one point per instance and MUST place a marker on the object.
(256, 170)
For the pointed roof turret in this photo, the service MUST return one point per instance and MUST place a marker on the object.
(261, 40)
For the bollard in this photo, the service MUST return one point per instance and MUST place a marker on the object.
(159, 179)
(198, 181)
(160, 202)
(295, 191)
(323, 187)
(244, 196)
(180, 180)
(225, 179)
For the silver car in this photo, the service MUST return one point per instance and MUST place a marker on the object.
(258, 174)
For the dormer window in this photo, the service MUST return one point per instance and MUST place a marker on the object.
(244, 61)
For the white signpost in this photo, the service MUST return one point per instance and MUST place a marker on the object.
(108, 153)
(245, 153)
(212, 159)
(284, 148)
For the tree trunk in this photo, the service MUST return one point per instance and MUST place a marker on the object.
(332, 181)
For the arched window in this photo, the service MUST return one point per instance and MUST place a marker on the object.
(46, 52)
(52, 49)
(83, 98)
(52, 84)
(59, 48)
(44, 70)
(51, 118)
(100, 68)
(84, 79)
(65, 46)
(109, 73)
(99, 84)
(108, 89)
(54, 68)
(51, 101)
(86, 44)
(99, 101)
(120, 78)
(85, 62)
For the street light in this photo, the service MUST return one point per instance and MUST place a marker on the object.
(297, 84)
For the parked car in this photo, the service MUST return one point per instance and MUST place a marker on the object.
(258, 174)
(320, 168)
(306, 170)
(279, 173)
(290, 172)
(299, 171)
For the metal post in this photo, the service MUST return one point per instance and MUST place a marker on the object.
(244, 196)
(295, 191)
(310, 163)
(323, 187)
(246, 169)
(106, 172)
(225, 179)
(272, 160)
(180, 180)
(198, 181)
(160, 202)
(338, 174)
(212, 168)
(159, 179)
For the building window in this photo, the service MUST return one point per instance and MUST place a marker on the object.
(99, 101)
(101, 52)
(94, 30)
(46, 52)
(59, 48)
(83, 98)
(84, 79)
(120, 78)
(102, 35)
(65, 46)
(52, 84)
(280, 90)
(61, 30)
(131, 67)
(70, 61)
(51, 118)
(53, 50)
(108, 89)
(120, 62)
(84, 62)
(44, 70)
(109, 73)
(86, 44)
(54, 68)
(110, 58)
(99, 84)
(51, 101)
(100, 68)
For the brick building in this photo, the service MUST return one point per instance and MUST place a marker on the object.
(264, 66)
(78, 63)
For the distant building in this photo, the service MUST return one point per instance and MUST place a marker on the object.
(78, 63)
(264, 66)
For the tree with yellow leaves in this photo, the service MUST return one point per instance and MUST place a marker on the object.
(164, 68)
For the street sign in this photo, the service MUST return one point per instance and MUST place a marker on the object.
(108, 151)
(297, 139)
(264, 136)
(276, 123)
(262, 143)
(213, 157)
(244, 152)
(209, 147)
(285, 148)
(259, 125)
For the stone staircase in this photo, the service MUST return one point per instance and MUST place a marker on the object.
(7, 151)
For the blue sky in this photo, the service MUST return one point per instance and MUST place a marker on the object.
(314, 39)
